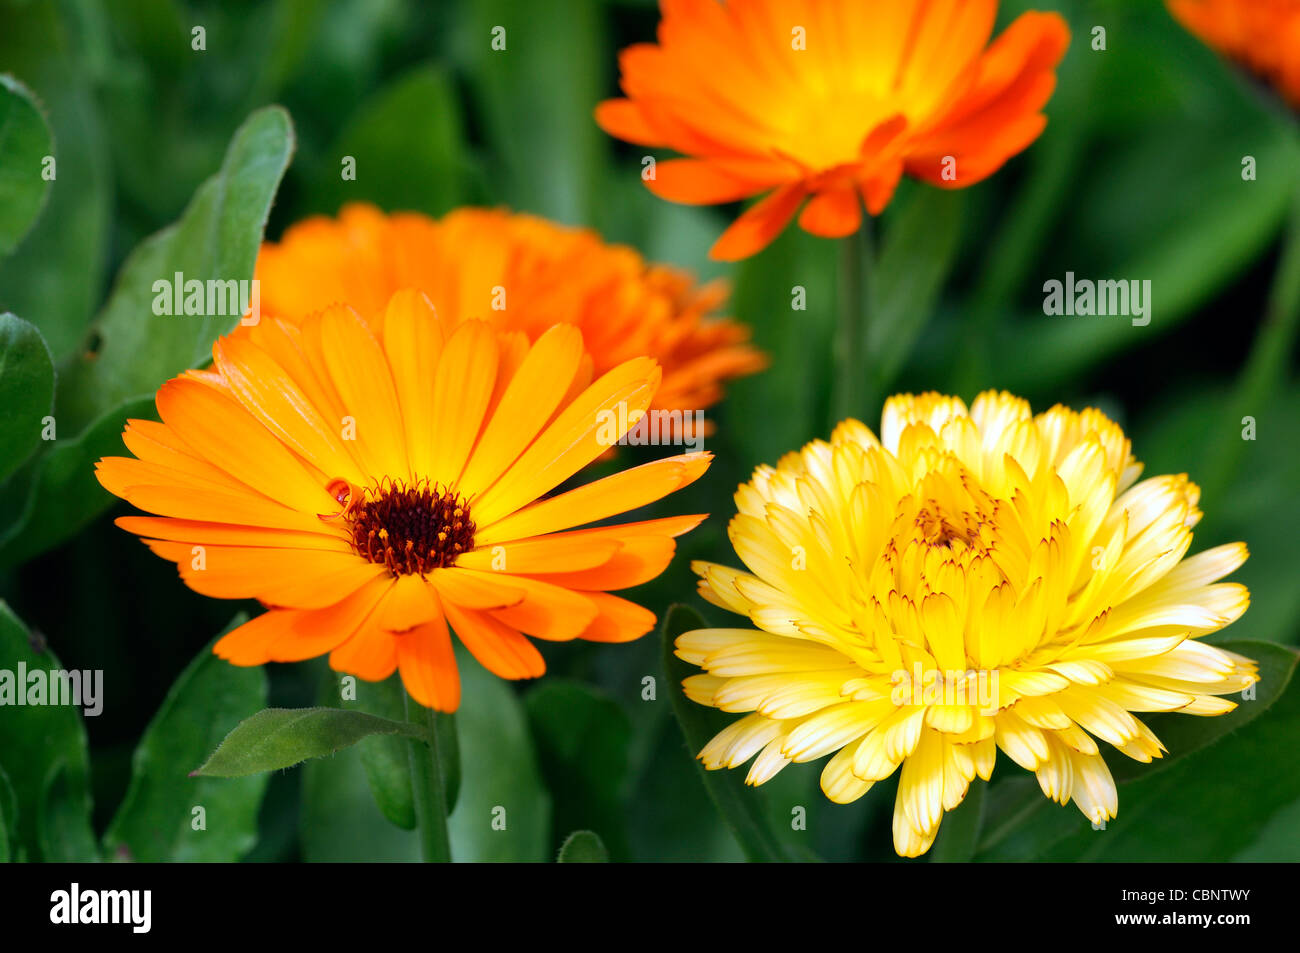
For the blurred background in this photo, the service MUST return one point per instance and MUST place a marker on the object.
(1138, 176)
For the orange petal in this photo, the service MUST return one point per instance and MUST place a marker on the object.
(370, 654)
(463, 386)
(474, 590)
(878, 189)
(250, 643)
(832, 214)
(314, 632)
(999, 116)
(428, 665)
(295, 579)
(411, 602)
(284, 343)
(154, 442)
(244, 509)
(617, 620)
(229, 534)
(360, 373)
(580, 434)
(499, 648)
(699, 182)
(533, 395)
(759, 225)
(600, 499)
(229, 437)
(623, 119)
(541, 554)
(268, 393)
(120, 475)
(413, 343)
(548, 611)
(640, 559)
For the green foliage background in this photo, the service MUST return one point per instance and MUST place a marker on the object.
(1138, 176)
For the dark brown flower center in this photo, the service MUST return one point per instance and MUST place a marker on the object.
(409, 529)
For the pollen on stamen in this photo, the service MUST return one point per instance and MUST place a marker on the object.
(409, 528)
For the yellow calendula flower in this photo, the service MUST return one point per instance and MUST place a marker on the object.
(968, 581)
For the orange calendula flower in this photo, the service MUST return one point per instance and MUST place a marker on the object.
(520, 273)
(1264, 35)
(372, 488)
(826, 100)
(972, 580)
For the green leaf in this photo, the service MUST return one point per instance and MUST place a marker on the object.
(1022, 824)
(25, 141)
(500, 785)
(1205, 808)
(8, 820)
(536, 98)
(62, 494)
(43, 750)
(1020, 230)
(791, 397)
(408, 147)
(157, 819)
(582, 847)
(217, 238)
(26, 390)
(582, 741)
(1278, 841)
(503, 808)
(61, 830)
(1128, 222)
(960, 832)
(671, 817)
(283, 737)
(444, 727)
(339, 822)
(917, 252)
(1185, 734)
(1185, 433)
(741, 808)
(385, 757)
(55, 277)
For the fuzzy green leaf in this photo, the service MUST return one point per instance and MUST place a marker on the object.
(583, 847)
(216, 239)
(741, 808)
(43, 750)
(283, 737)
(159, 818)
(25, 142)
(26, 390)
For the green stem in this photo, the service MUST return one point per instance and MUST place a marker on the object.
(428, 784)
(1267, 364)
(853, 366)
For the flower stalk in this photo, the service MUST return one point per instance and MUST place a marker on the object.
(854, 376)
(428, 784)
